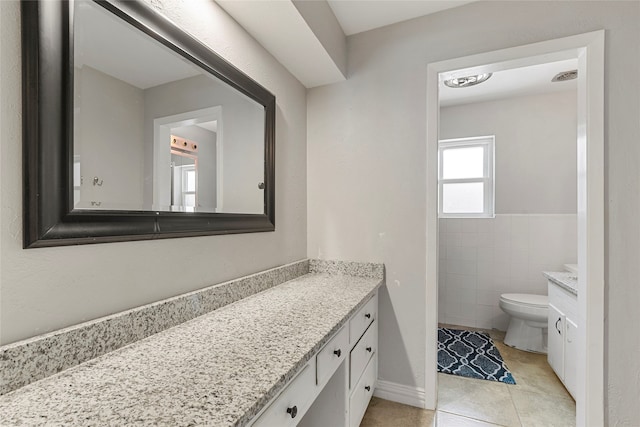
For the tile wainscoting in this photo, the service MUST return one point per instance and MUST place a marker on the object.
(479, 259)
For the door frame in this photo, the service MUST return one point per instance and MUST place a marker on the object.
(588, 48)
(162, 151)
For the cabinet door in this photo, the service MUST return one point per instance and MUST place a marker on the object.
(571, 356)
(555, 345)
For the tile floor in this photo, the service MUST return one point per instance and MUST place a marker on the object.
(538, 399)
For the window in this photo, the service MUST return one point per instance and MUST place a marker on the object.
(189, 180)
(465, 178)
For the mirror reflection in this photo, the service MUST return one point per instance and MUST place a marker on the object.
(154, 132)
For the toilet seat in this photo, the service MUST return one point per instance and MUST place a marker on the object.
(528, 300)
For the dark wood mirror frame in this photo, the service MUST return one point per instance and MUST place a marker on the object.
(48, 214)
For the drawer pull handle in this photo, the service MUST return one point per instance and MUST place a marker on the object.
(369, 349)
(368, 315)
(293, 411)
(558, 321)
(337, 352)
(367, 387)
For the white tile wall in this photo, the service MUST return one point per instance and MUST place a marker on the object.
(479, 259)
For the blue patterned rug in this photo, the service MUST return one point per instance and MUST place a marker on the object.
(471, 354)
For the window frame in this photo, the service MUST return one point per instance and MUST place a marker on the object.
(488, 178)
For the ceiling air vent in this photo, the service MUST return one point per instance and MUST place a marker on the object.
(565, 75)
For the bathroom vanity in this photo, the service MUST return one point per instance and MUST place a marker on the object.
(302, 352)
(335, 386)
(563, 327)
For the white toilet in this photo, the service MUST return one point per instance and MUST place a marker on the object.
(528, 321)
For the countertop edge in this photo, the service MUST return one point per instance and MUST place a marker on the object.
(563, 279)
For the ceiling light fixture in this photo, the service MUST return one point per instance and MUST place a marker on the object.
(565, 75)
(467, 81)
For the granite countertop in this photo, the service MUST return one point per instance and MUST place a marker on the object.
(565, 279)
(219, 369)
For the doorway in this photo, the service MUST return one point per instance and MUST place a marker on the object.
(205, 125)
(588, 49)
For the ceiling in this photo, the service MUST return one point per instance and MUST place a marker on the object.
(356, 16)
(106, 43)
(271, 23)
(531, 80)
(293, 29)
(210, 126)
(280, 27)
(283, 28)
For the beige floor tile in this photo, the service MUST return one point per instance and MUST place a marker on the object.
(513, 354)
(538, 398)
(482, 400)
(537, 379)
(531, 371)
(445, 419)
(544, 410)
(384, 413)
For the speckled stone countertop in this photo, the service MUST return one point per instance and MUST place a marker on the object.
(38, 357)
(565, 279)
(219, 369)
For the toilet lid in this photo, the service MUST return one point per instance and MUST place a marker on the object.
(527, 299)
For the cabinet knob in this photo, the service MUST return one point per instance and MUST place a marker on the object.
(368, 315)
(292, 411)
(367, 387)
(368, 349)
(337, 352)
(557, 329)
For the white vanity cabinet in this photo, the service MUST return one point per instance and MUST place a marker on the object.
(363, 360)
(562, 338)
(335, 386)
(555, 342)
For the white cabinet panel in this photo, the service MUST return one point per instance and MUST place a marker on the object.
(555, 345)
(571, 356)
(361, 394)
(563, 336)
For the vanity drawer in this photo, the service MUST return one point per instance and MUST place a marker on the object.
(332, 354)
(289, 408)
(362, 392)
(362, 353)
(362, 319)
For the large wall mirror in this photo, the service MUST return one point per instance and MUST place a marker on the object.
(135, 130)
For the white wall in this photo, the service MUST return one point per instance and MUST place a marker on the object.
(535, 148)
(480, 259)
(535, 178)
(46, 289)
(107, 137)
(366, 161)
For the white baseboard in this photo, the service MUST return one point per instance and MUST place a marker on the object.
(400, 393)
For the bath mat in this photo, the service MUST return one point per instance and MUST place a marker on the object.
(471, 354)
